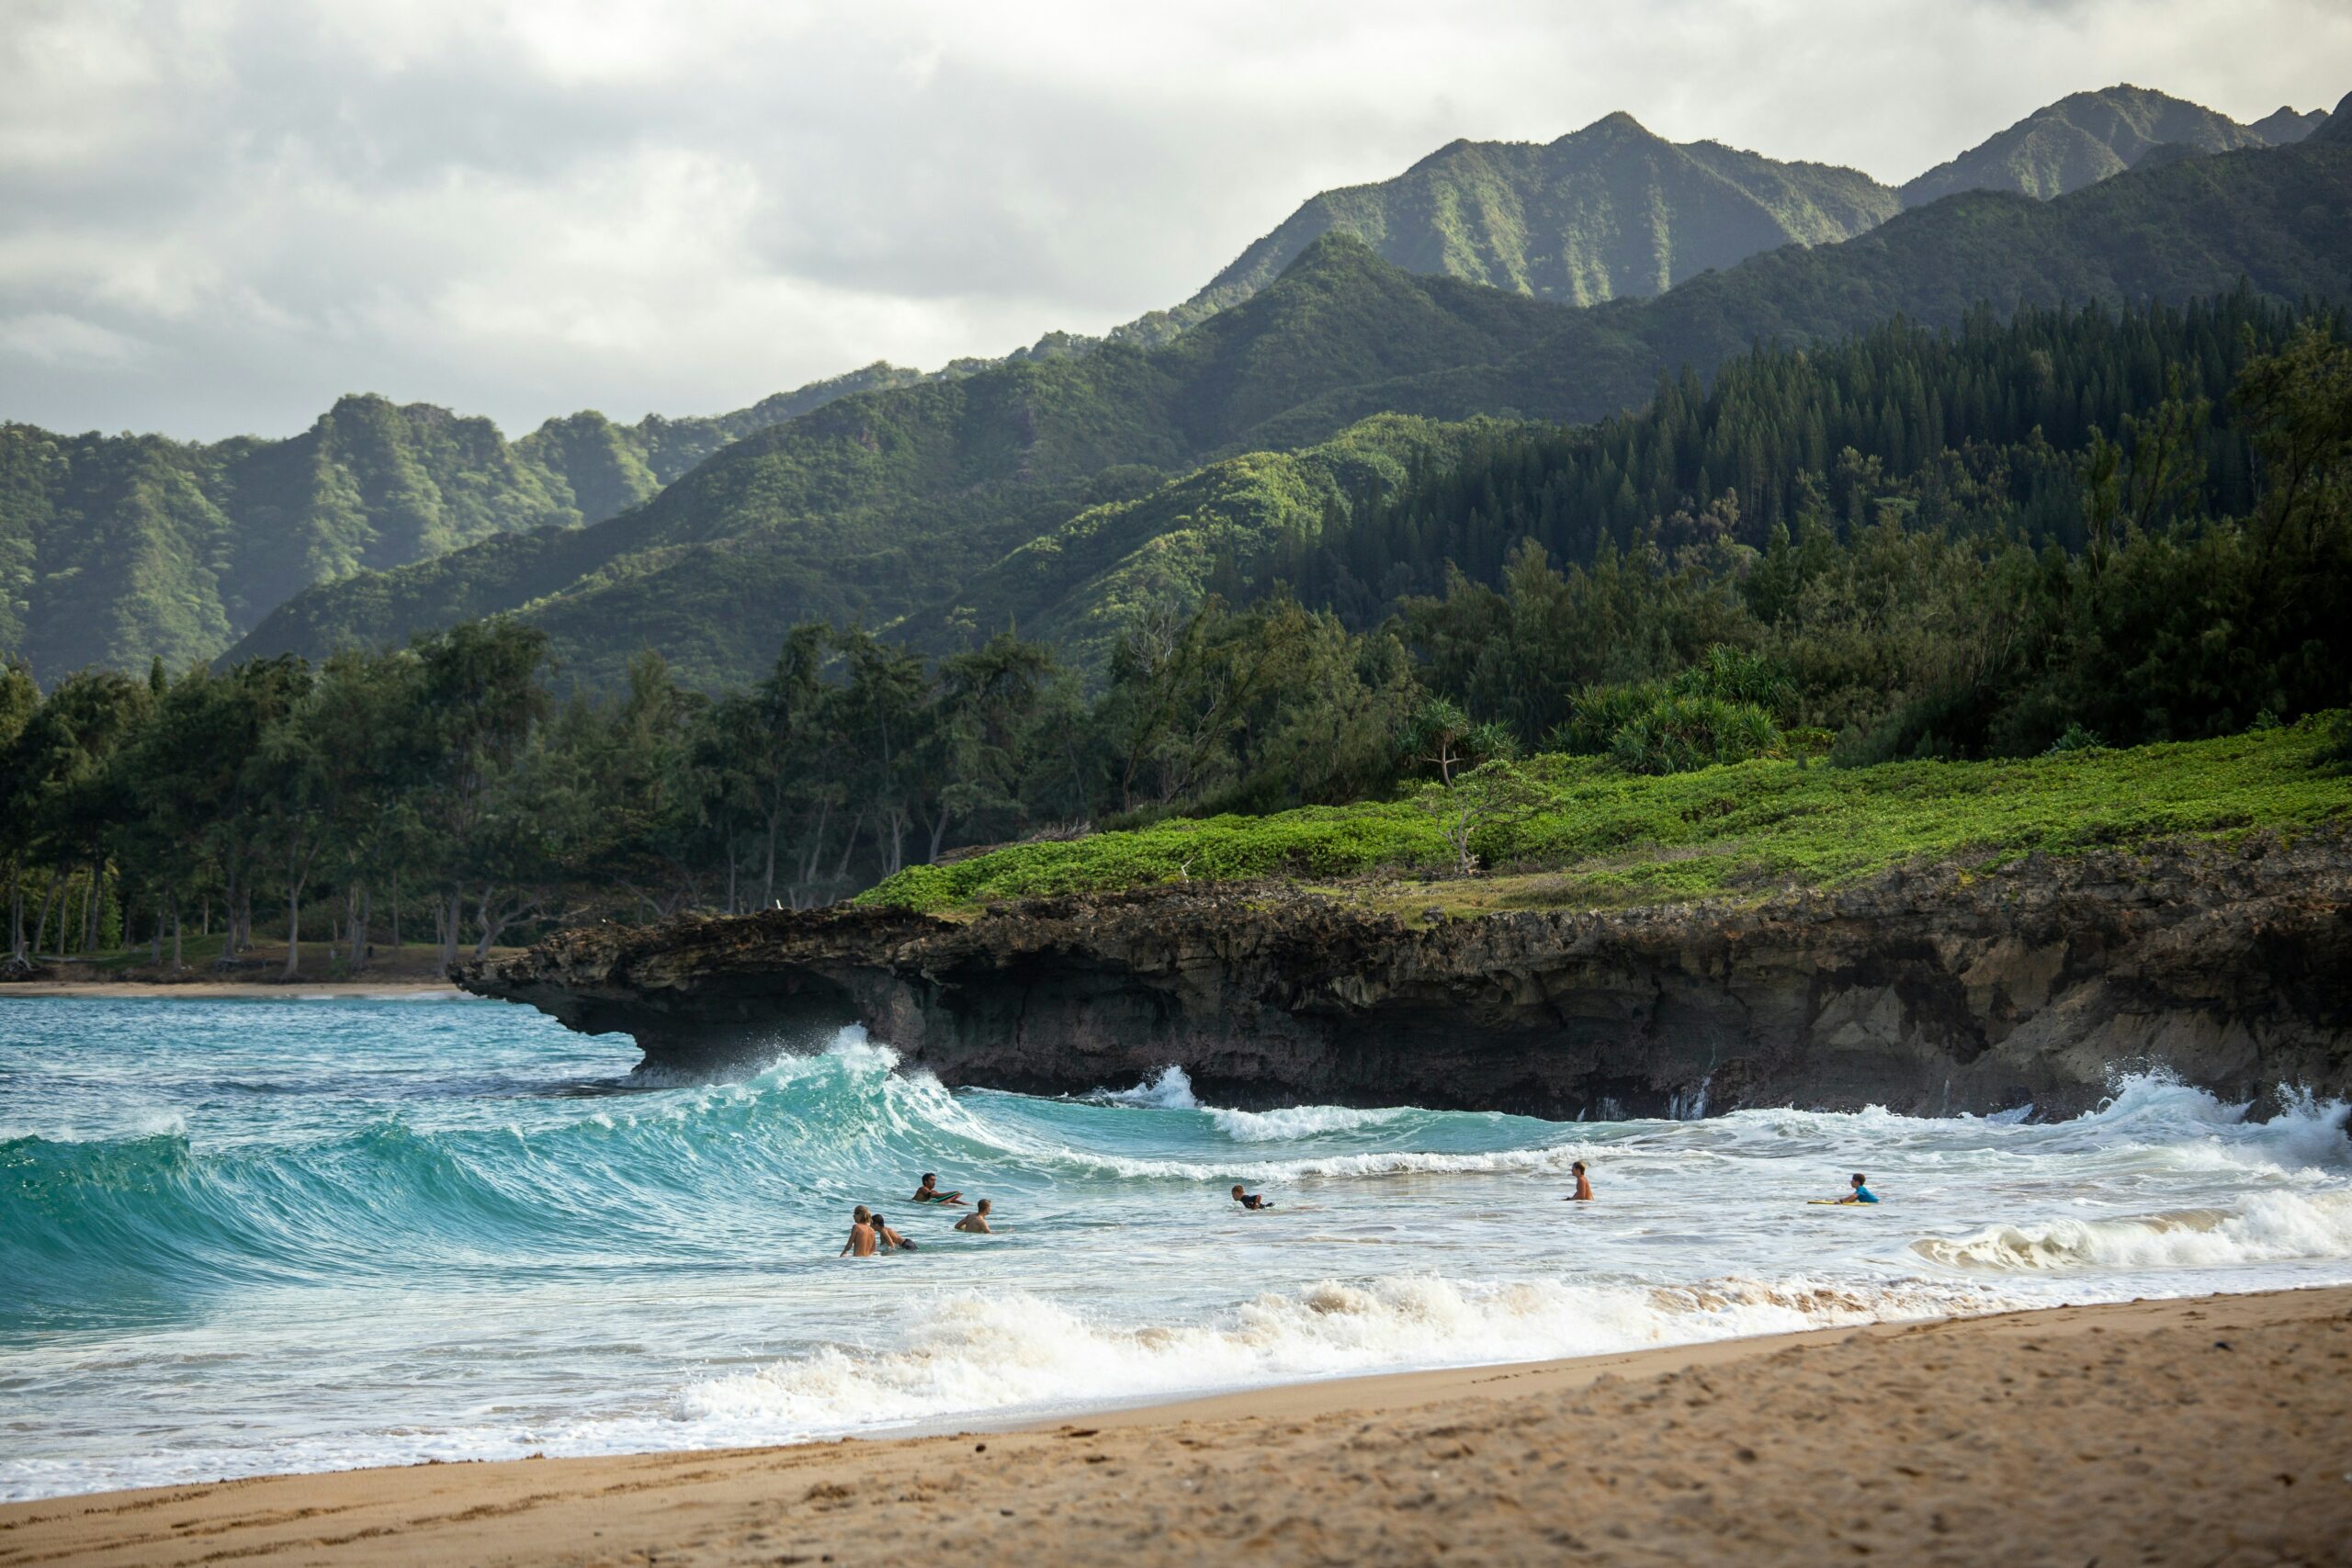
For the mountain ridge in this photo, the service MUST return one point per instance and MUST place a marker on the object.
(2078, 140)
(1324, 348)
(109, 553)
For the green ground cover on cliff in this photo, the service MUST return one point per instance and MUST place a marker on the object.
(1584, 833)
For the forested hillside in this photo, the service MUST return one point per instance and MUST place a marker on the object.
(908, 503)
(1602, 212)
(2082, 529)
(118, 548)
(879, 503)
(2087, 137)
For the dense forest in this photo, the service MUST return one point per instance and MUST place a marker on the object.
(2082, 527)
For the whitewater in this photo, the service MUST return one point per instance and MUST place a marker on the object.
(249, 1236)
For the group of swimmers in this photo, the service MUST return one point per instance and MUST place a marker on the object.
(870, 1234)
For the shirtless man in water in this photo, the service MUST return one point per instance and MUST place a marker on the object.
(861, 1241)
(1249, 1200)
(977, 1222)
(928, 1191)
(892, 1240)
(1584, 1186)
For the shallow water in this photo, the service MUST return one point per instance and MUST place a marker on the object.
(240, 1237)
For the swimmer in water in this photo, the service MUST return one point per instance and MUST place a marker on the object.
(892, 1240)
(861, 1242)
(1861, 1192)
(977, 1222)
(1584, 1185)
(928, 1191)
(1249, 1200)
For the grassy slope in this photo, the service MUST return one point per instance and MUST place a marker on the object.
(1604, 837)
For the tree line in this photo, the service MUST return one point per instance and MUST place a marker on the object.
(1956, 585)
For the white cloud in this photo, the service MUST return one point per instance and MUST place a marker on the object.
(51, 337)
(524, 206)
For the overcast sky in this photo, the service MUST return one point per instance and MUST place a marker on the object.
(217, 215)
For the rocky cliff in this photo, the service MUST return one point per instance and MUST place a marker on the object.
(1944, 990)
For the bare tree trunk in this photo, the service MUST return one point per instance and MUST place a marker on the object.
(176, 930)
(155, 947)
(40, 930)
(451, 912)
(293, 926)
(396, 912)
(16, 912)
(359, 926)
(849, 848)
(767, 882)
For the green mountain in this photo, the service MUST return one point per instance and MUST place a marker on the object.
(1062, 492)
(115, 548)
(2286, 125)
(1602, 212)
(881, 503)
(2080, 141)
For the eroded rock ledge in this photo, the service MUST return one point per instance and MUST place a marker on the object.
(1927, 992)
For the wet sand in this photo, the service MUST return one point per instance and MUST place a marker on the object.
(2212, 1431)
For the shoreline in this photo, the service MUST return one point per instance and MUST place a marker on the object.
(2165, 1430)
(215, 990)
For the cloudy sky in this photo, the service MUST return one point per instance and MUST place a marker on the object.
(217, 215)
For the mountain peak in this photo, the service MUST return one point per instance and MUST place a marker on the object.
(2080, 140)
(2287, 124)
(1334, 247)
(1617, 123)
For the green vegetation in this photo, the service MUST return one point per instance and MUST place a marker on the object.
(2180, 581)
(113, 549)
(879, 504)
(1601, 837)
(117, 549)
(2084, 138)
(1607, 211)
(903, 508)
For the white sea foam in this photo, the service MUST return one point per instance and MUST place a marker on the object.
(1013, 1351)
(1302, 1122)
(1171, 1089)
(2271, 1227)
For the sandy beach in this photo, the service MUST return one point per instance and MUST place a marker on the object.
(2214, 1431)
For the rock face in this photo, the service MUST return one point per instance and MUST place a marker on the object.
(1927, 992)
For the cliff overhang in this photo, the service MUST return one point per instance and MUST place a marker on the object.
(1928, 990)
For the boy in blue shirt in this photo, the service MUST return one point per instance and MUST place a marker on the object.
(1861, 1192)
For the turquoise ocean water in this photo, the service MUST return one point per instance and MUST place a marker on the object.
(247, 1236)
